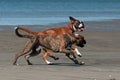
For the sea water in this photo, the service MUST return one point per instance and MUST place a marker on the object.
(44, 12)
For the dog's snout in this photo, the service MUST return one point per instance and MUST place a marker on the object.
(84, 41)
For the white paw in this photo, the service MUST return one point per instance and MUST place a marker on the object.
(82, 63)
(17, 64)
(49, 63)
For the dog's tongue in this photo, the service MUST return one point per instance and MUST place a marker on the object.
(81, 29)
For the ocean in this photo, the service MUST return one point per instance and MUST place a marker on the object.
(45, 12)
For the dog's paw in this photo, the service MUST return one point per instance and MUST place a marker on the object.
(50, 63)
(81, 63)
(16, 64)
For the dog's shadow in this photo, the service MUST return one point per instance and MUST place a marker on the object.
(61, 64)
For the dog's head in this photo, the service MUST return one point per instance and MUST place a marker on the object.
(80, 41)
(76, 24)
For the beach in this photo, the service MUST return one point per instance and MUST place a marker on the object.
(101, 55)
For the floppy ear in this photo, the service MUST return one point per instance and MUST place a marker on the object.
(72, 19)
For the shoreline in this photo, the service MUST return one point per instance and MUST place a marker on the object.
(102, 25)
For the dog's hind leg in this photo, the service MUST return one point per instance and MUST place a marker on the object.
(27, 49)
(32, 54)
(18, 55)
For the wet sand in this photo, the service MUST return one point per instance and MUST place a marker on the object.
(101, 56)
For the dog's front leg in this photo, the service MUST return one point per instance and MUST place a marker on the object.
(73, 58)
(76, 50)
(68, 53)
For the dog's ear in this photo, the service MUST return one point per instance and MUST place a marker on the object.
(72, 19)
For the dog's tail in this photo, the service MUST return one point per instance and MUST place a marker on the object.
(32, 34)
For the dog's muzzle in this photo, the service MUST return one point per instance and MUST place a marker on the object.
(81, 27)
(82, 43)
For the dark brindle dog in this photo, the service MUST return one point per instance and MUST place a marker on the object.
(55, 39)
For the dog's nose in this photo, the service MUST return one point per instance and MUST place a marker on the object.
(85, 42)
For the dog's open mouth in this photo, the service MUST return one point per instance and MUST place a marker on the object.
(81, 29)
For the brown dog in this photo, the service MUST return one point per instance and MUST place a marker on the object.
(55, 39)
(79, 42)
